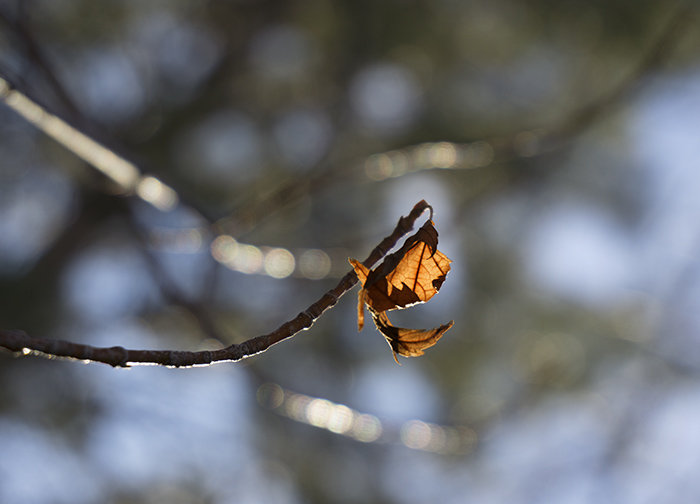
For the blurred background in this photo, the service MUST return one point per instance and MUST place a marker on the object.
(557, 142)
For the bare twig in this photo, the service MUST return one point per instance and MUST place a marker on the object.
(20, 26)
(19, 341)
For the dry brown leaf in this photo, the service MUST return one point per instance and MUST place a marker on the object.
(409, 342)
(413, 274)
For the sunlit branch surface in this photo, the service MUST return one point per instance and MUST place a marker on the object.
(122, 172)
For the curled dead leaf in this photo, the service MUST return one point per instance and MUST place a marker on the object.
(411, 275)
(409, 342)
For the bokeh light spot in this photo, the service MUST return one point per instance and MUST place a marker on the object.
(416, 434)
(155, 192)
(438, 155)
(237, 256)
(279, 263)
(318, 411)
(224, 248)
(367, 428)
(340, 419)
(378, 167)
(270, 395)
(314, 264)
(248, 259)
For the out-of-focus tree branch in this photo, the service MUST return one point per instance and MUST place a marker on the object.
(683, 17)
(20, 27)
(478, 153)
(445, 155)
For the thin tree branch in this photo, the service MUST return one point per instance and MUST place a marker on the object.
(168, 289)
(19, 341)
(477, 153)
(683, 16)
(20, 26)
